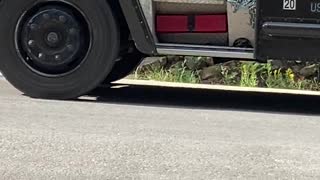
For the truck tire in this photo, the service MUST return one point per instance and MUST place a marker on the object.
(57, 49)
(126, 65)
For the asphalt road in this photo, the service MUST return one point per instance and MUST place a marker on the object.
(154, 133)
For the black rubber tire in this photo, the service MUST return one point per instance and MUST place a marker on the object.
(104, 49)
(126, 65)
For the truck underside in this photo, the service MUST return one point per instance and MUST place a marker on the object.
(62, 49)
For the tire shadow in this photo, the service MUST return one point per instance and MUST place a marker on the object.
(207, 99)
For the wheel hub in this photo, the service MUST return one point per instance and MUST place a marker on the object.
(54, 39)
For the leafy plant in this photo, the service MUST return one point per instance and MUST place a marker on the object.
(279, 79)
(249, 75)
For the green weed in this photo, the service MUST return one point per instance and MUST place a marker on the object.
(279, 79)
(249, 75)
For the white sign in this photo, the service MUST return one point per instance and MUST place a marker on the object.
(290, 5)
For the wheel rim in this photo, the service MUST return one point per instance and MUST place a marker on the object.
(53, 39)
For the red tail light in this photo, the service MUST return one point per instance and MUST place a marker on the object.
(192, 23)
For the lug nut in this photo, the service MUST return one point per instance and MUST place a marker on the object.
(70, 47)
(31, 43)
(62, 19)
(33, 26)
(46, 16)
(72, 31)
(57, 57)
(41, 56)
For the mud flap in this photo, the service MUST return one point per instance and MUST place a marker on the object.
(288, 29)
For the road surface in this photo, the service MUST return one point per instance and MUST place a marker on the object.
(139, 132)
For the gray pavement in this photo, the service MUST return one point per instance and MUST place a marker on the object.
(159, 133)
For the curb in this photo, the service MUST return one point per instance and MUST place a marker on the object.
(217, 87)
(212, 87)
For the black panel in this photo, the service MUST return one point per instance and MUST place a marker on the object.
(288, 34)
(304, 9)
(138, 26)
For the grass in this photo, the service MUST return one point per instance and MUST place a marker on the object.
(181, 75)
(247, 74)
(262, 75)
(278, 79)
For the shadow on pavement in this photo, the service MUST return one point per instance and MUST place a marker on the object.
(208, 99)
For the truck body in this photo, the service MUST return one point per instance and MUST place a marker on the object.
(225, 22)
(247, 29)
(64, 48)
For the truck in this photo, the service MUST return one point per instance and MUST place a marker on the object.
(62, 49)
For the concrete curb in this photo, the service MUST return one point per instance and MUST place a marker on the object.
(212, 87)
(217, 87)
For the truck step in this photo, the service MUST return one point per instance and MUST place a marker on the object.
(210, 51)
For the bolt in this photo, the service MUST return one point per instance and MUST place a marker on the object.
(62, 19)
(72, 31)
(57, 57)
(31, 43)
(41, 56)
(70, 47)
(46, 16)
(33, 26)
